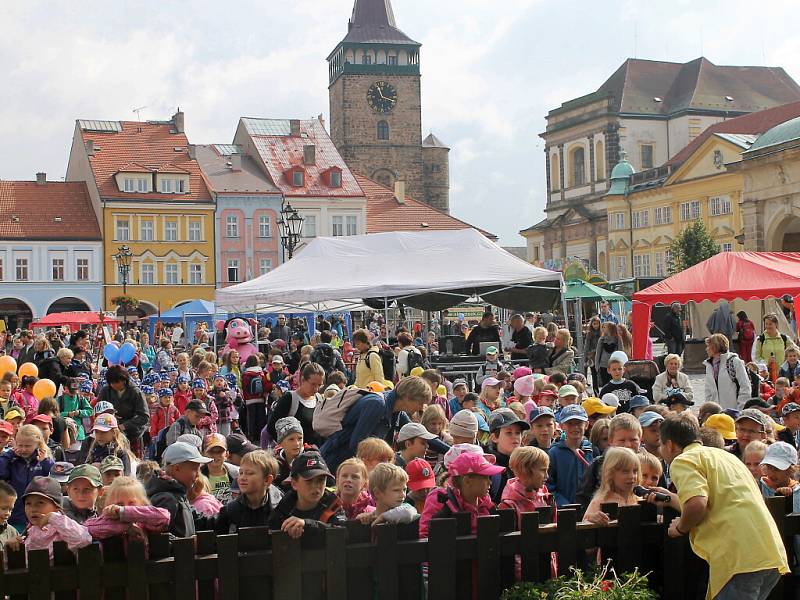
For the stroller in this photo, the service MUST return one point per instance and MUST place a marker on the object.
(643, 373)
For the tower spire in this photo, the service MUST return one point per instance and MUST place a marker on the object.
(373, 21)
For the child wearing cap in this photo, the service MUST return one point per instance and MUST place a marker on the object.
(751, 425)
(638, 404)
(8, 497)
(208, 424)
(221, 475)
(571, 457)
(224, 402)
(83, 488)
(677, 402)
(352, 480)
(42, 501)
(539, 351)
(45, 425)
(6, 435)
(75, 407)
(460, 390)
(524, 388)
(567, 395)
(421, 480)
(489, 368)
(15, 416)
(28, 458)
(387, 484)
(543, 428)
(188, 423)
(183, 392)
(169, 488)
(505, 436)
(308, 508)
(258, 496)
(489, 398)
(595, 409)
(109, 441)
(165, 413)
(780, 470)
(791, 420)
(412, 442)
(111, 467)
(289, 435)
(463, 428)
(624, 389)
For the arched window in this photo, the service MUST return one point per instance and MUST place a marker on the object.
(555, 173)
(599, 161)
(383, 130)
(577, 167)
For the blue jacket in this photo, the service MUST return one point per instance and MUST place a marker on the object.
(567, 471)
(789, 372)
(19, 472)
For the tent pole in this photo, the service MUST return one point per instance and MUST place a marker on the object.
(255, 327)
(564, 308)
(386, 316)
(579, 335)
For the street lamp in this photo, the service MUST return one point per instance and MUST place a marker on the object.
(291, 228)
(123, 259)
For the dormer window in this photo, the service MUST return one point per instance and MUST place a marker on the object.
(336, 179)
(298, 178)
(332, 177)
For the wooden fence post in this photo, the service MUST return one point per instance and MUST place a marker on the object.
(288, 579)
(39, 566)
(567, 542)
(529, 543)
(673, 569)
(228, 566)
(629, 538)
(386, 562)
(778, 507)
(89, 572)
(137, 569)
(63, 557)
(442, 559)
(488, 557)
(336, 563)
(183, 569)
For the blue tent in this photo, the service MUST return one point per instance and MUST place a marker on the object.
(196, 311)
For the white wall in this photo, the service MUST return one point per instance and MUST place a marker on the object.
(634, 132)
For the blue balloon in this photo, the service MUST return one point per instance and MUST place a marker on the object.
(126, 353)
(111, 353)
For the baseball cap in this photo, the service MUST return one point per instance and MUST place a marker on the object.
(417, 371)
(490, 382)
(541, 411)
(6, 427)
(287, 426)
(239, 444)
(790, 408)
(13, 413)
(524, 385)
(376, 387)
(780, 455)
(111, 463)
(47, 487)
(567, 390)
(104, 406)
(459, 382)
(420, 475)
(277, 359)
(214, 440)
(309, 465)
(753, 415)
(181, 452)
(620, 356)
(459, 449)
(198, 406)
(572, 412)
(464, 424)
(521, 372)
(722, 423)
(88, 472)
(182, 379)
(594, 406)
(649, 417)
(610, 399)
(491, 350)
(471, 463)
(60, 471)
(505, 417)
(47, 419)
(412, 430)
(105, 422)
(639, 401)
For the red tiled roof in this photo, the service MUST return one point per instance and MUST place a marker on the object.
(134, 167)
(280, 153)
(754, 123)
(148, 145)
(35, 207)
(385, 214)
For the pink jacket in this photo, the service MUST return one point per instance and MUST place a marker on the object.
(363, 504)
(29, 404)
(60, 529)
(446, 502)
(517, 497)
(207, 505)
(150, 518)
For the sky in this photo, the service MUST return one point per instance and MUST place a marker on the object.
(490, 72)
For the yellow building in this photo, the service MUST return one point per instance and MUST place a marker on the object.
(150, 196)
(646, 211)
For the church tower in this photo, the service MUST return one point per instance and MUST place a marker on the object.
(375, 104)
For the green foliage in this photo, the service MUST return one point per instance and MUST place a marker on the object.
(603, 584)
(128, 302)
(691, 246)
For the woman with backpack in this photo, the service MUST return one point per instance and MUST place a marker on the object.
(256, 387)
(747, 335)
(300, 403)
(771, 345)
(369, 366)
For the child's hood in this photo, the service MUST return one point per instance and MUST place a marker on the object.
(164, 484)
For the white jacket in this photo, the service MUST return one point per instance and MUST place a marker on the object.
(723, 390)
(660, 386)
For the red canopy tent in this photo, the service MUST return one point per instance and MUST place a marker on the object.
(726, 276)
(76, 319)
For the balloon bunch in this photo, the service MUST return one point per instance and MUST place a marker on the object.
(41, 389)
(119, 355)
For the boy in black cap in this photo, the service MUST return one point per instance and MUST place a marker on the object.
(194, 412)
(505, 430)
(238, 446)
(308, 507)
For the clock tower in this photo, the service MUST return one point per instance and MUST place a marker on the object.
(375, 106)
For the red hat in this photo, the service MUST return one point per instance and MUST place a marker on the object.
(6, 427)
(42, 419)
(471, 463)
(420, 475)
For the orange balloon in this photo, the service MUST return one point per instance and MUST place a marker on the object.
(28, 369)
(44, 388)
(7, 364)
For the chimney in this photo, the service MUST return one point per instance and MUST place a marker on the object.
(321, 119)
(178, 120)
(192, 151)
(400, 192)
(309, 154)
(41, 178)
(90, 147)
(236, 162)
(294, 127)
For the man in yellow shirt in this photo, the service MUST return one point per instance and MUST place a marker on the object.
(723, 513)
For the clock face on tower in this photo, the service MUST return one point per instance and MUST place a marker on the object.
(381, 97)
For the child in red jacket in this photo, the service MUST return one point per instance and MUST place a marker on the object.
(165, 414)
(182, 393)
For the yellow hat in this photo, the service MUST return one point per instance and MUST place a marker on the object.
(776, 427)
(416, 371)
(14, 413)
(595, 405)
(388, 384)
(441, 391)
(376, 386)
(722, 423)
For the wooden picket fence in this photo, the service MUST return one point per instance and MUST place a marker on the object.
(363, 563)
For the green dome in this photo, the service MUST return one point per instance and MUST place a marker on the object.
(620, 176)
(622, 170)
(784, 132)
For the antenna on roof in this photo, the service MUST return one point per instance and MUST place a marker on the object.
(138, 112)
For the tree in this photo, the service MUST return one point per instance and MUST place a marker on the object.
(692, 245)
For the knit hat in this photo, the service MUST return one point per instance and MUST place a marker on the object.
(521, 372)
(286, 426)
(147, 390)
(464, 424)
(182, 379)
(164, 392)
(524, 385)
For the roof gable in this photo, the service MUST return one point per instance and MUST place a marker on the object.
(711, 157)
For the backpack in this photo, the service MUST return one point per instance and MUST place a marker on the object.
(762, 338)
(325, 357)
(161, 439)
(415, 360)
(329, 412)
(730, 367)
(256, 387)
(387, 360)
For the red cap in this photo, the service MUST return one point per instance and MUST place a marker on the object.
(550, 393)
(43, 419)
(6, 427)
(420, 475)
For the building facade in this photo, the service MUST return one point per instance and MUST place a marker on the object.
(376, 106)
(650, 109)
(150, 196)
(50, 250)
(248, 209)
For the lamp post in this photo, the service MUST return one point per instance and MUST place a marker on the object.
(123, 259)
(291, 228)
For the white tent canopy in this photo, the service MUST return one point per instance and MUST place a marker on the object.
(427, 269)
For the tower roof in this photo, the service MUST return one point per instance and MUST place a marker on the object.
(373, 22)
(433, 142)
